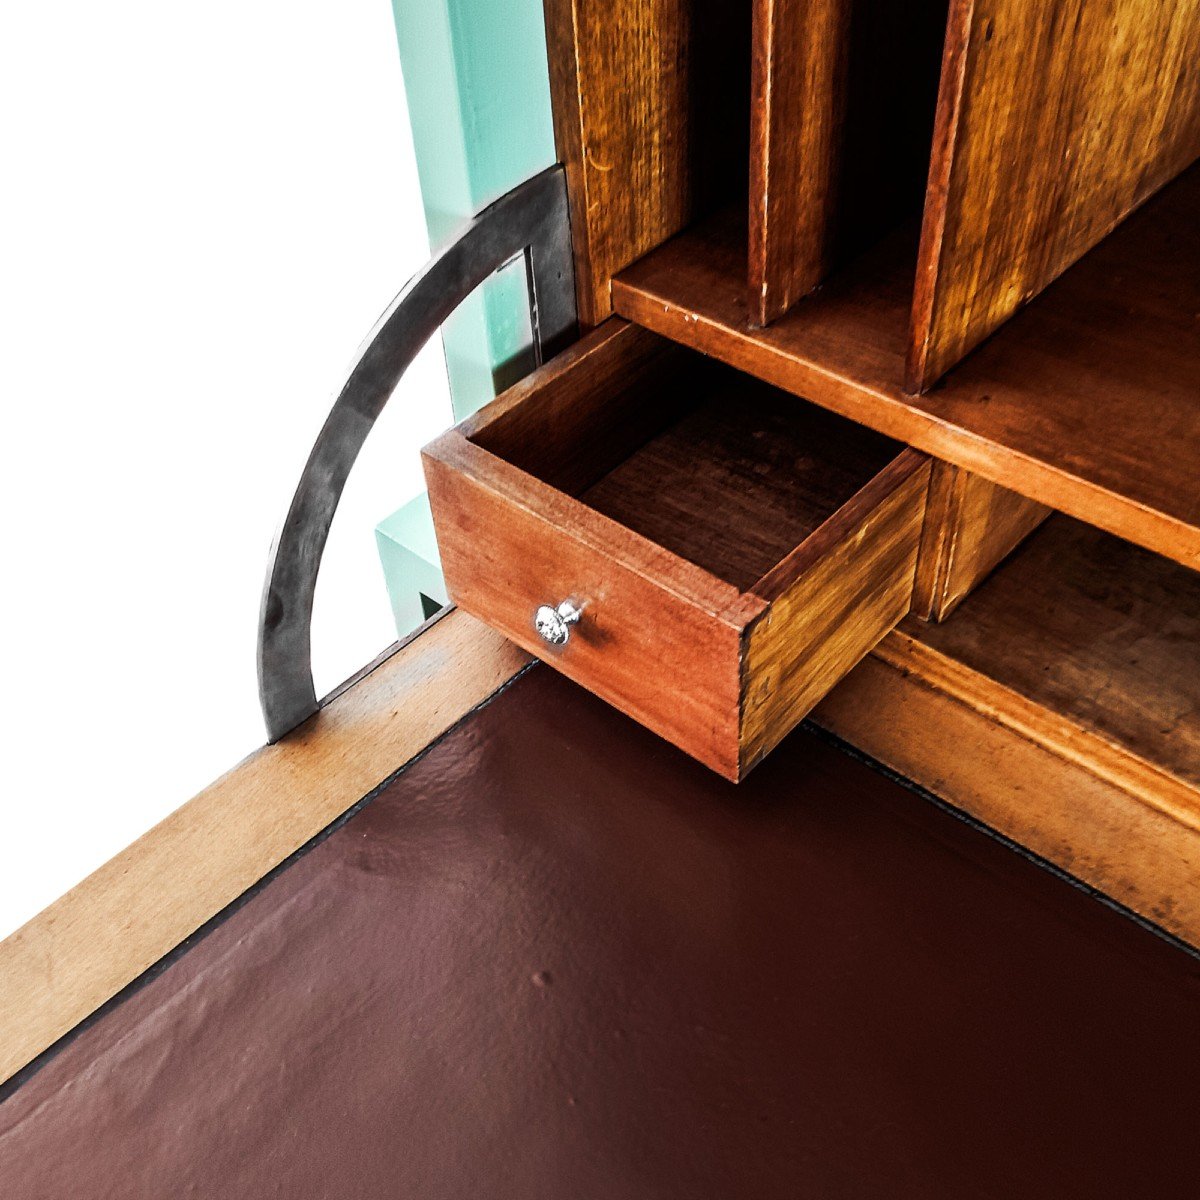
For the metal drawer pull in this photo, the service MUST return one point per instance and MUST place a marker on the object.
(554, 624)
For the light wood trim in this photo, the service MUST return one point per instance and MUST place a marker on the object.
(1137, 775)
(1104, 816)
(100, 936)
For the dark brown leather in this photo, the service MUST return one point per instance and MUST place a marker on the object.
(554, 959)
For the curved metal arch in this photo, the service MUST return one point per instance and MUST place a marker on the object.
(531, 219)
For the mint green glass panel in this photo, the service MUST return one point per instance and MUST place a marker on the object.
(479, 100)
(412, 570)
(478, 93)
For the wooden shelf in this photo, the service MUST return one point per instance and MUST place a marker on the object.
(1087, 401)
(1064, 696)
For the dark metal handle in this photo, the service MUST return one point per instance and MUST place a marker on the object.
(531, 219)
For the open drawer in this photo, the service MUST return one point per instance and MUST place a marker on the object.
(707, 553)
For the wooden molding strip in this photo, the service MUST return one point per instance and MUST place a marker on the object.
(85, 947)
(1140, 778)
(1111, 820)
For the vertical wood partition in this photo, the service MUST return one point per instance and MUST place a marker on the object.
(1054, 122)
(797, 90)
(651, 118)
(842, 103)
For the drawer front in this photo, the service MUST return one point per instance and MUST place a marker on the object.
(646, 641)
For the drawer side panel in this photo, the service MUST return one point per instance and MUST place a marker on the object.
(831, 616)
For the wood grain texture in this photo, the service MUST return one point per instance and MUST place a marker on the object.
(1095, 631)
(104, 933)
(1054, 122)
(651, 118)
(970, 526)
(1064, 700)
(845, 589)
(571, 422)
(744, 478)
(843, 96)
(510, 543)
(1139, 853)
(681, 545)
(801, 56)
(1086, 401)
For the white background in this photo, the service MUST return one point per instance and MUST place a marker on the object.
(202, 212)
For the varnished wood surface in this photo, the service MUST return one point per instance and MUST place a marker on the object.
(651, 118)
(1087, 401)
(104, 933)
(970, 526)
(578, 418)
(1054, 122)
(854, 583)
(1060, 704)
(681, 545)
(1095, 631)
(801, 56)
(843, 96)
(510, 543)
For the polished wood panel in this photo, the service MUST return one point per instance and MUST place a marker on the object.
(830, 603)
(798, 84)
(742, 499)
(1054, 122)
(104, 933)
(970, 526)
(510, 543)
(1145, 856)
(1086, 401)
(1061, 704)
(843, 96)
(1094, 631)
(651, 118)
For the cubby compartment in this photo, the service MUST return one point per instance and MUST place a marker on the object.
(843, 100)
(652, 121)
(704, 551)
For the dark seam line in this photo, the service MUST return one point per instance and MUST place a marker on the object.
(852, 751)
(173, 955)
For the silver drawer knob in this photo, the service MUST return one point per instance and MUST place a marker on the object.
(554, 624)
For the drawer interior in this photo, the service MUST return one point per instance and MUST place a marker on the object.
(719, 468)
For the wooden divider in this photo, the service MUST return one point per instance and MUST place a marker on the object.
(842, 103)
(651, 117)
(1054, 122)
(970, 526)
